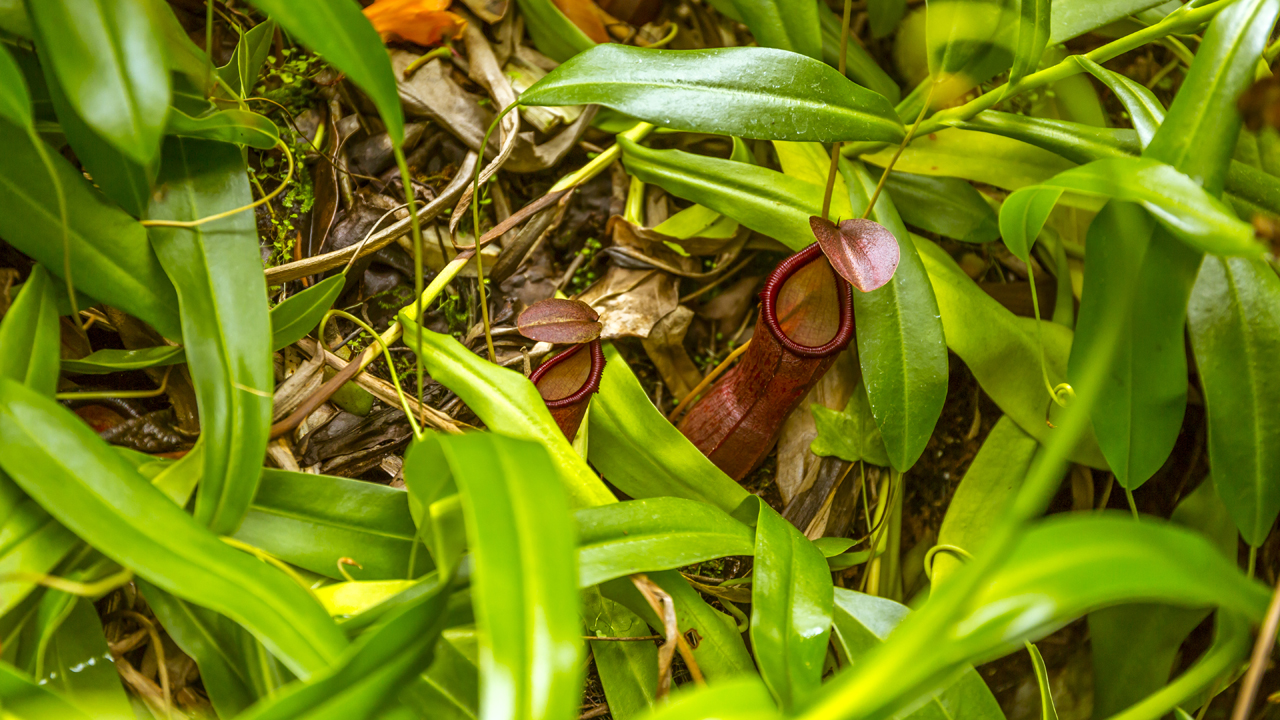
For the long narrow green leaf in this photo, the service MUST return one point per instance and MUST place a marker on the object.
(784, 25)
(1072, 18)
(241, 127)
(741, 699)
(110, 360)
(524, 580)
(628, 670)
(23, 698)
(111, 259)
(791, 600)
(722, 91)
(553, 34)
(621, 539)
(343, 36)
(241, 71)
(15, 101)
(91, 490)
(1032, 36)
(901, 346)
(1234, 319)
(299, 314)
(70, 656)
(641, 453)
(112, 68)
(217, 272)
(1145, 111)
(947, 206)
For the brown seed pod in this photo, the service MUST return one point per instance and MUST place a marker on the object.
(560, 321)
(862, 251)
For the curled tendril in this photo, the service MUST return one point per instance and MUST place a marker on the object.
(953, 549)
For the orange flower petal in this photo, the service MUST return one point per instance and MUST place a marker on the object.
(424, 22)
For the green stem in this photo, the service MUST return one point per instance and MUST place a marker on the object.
(416, 232)
(597, 164)
(1133, 505)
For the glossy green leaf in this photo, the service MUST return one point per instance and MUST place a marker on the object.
(1073, 141)
(641, 453)
(30, 542)
(186, 58)
(216, 269)
(110, 360)
(883, 16)
(979, 156)
(1047, 709)
(764, 200)
(850, 434)
(313, 520)
(1136, 647)
(720, 92)
(339, 33)
(901, 346)
(523, 578)
(1031, 37)
(15, 101)
(553, 34)
(791, 599)
(121, 178)
(367, 679)
(947, 206)
(621, 539)
(507, 403)
(30, 336)
(1002, 350)
(241, 127)
(740, 699)
(72, 658)
(1234, 319)
(628, 670)
(24, 698)
(1072, 18)
(241, 71)
(862, 622)
(450, 688)
(988, 486)
(784, 25)
(223, 651)
(298, 315)
(111, 259)
(112, 68)
(97, 495)
(860, 66)
(1145, 111)
(968, 42)
(1180, 205)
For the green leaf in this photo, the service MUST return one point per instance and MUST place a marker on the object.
(111, 259)
(339, 33)
(121, 178)
(849, 434)
(523, 577)
(901, 346)
(241, 127)
(1181, 206)
(947, 206)
(507, 403)
(1145, 111)
(1002, 350)
(553, 34)
(110, 360)
(764, 200)
(298, 315)
(23, 698)
(218, 274)
(1073, 141)
(984, 494)
(112, 68)
(968, 42)
(72, 658)
(624, 538)
(720, 91)
(641, 453)
(313, 520)
(862, 622)
(979, 156)
(1072, 18)
(883, 17)
(96, 494)
(1136, 647)
(743, 698)
(1047, 710)
(1234, 319)
(30, 336)
(185, 57)
(15, 101)
(241, 71)
(784, 25)
(30, 542)
(1032, 36)
(369, 676)
(860, 66)
(13, 18)
(791, 599)
(223, 651)
(628, 670)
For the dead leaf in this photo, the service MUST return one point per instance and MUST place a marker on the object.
(797, 466)
(555, 320)
(425, 22)
(665, 347)
(586, 15)
(631, 301)
(862, 251)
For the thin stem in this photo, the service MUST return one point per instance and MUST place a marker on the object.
(1253, 560)
(386, 351)
(835, 147)
(208, 36)
(72, 587)
(1133, 506)
(442, 51)
(884, 176)
(597, 164)
(1258, 660)
(475, 228)
(218, 216)
(104, 394)
(415, 228)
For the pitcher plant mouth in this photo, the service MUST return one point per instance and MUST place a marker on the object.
(806, 319)
(567, 381)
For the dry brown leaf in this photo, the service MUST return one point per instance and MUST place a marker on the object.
(425, 22)
(797, 467)
(586, 15)
(665, 347)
